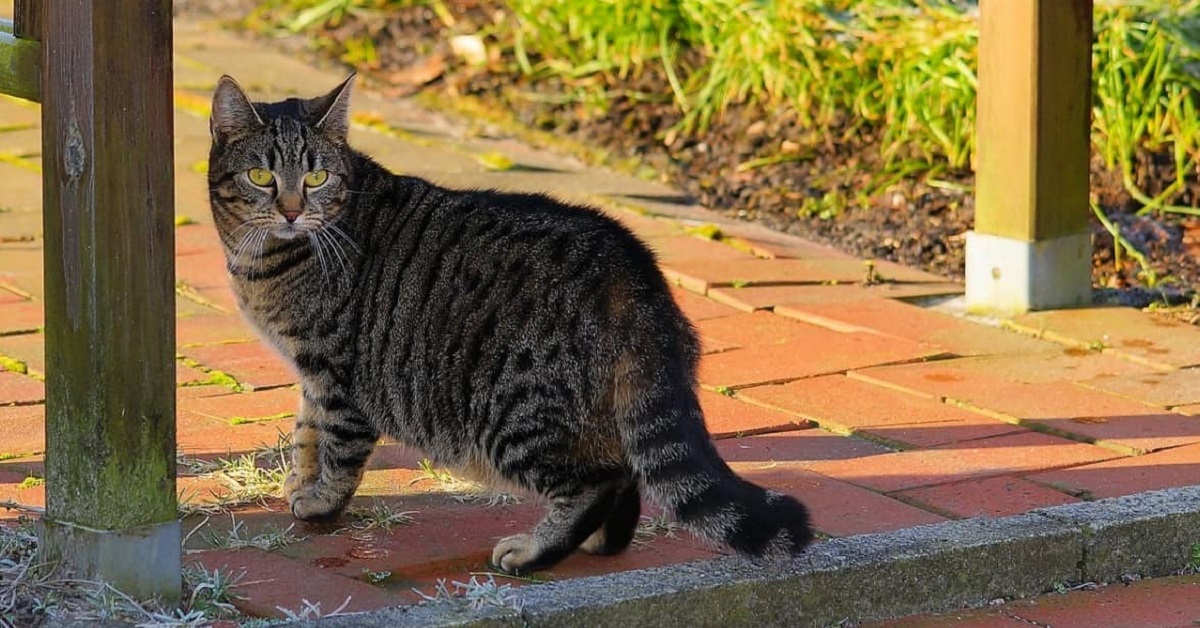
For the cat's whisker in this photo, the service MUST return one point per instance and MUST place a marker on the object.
(262, 239)
(315, 240)
(244, 243)
(337, 251)
(344, 236)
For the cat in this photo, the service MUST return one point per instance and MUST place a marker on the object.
(513, 336)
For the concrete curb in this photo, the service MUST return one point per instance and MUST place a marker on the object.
(941, 567)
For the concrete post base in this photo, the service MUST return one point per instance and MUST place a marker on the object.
(144, 562)
(1006, 276)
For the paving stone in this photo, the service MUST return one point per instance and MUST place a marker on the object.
(836, 508)
(193, 240)
(989, 497)
(1125, 332)
(782, 298)
(726, 417)
(1152, 603)
(224, 423)
(1002, 455)
(682, 249)
(20, 389)
(981, 618)
(646, 228)
(251, 363)
(21, 141)
(1052, 365)
(29, 349)
(188, 376)
(200, 391)
(271, 581)
(822, 352)
(212, 328)
(203, 270)
(845, 405)
(711, 274)
(22, 430)
(19, 225)
(1064, 407)
(230, 441)
(13, 490)
(22, 192)
(220, 297)
(14, 110)
(19, 317)
(769, 244)
(21, 265)
(756, 329)
(227, 407)
(710, 346)
(797, 445)
(1127, 475)
(11, 296)
(896, 318)
(698, 308)
(1157, 388)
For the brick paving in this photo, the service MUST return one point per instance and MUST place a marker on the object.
(823, 377)
(1159, 603)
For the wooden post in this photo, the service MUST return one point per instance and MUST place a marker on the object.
(110, 345)
(1030, 248)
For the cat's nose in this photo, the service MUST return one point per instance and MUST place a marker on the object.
(290, 205)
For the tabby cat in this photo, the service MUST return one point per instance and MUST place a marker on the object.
(517, 338)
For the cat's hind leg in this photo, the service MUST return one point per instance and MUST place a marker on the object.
(617, 531)
(330, 445)
(570, 519)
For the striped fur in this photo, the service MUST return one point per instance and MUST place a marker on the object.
(511, 334)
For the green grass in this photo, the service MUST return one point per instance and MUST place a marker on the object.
(902, 70)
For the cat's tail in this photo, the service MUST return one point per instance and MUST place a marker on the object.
(663, 431)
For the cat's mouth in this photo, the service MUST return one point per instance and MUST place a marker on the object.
(289, 230)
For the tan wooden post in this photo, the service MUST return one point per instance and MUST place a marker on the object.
(1030, 248)
(107, 142)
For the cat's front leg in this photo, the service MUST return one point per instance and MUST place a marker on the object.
(330, 445)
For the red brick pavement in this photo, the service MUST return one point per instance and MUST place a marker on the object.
(1159, 603)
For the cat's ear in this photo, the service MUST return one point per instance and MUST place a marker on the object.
(232, 113)
(332, 111)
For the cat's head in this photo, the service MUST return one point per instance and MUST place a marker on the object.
(282, 167)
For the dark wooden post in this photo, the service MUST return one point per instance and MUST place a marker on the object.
(1031, 248)
(110, 345)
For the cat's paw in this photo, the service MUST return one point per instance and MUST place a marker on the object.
(514, 554)
(310, 504)
(293, 483)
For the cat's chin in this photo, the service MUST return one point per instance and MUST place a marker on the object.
(288, 232)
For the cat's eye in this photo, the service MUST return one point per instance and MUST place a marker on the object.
(316, 178)
(260, 176)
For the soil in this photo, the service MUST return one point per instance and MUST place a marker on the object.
(817, 190)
